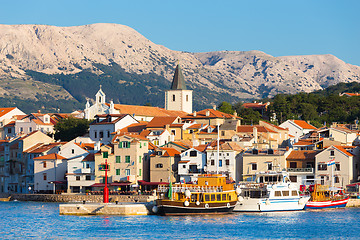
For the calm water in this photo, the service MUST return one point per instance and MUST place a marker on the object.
(42, 220)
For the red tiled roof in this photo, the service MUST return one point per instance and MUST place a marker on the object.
(170, 152)
(117, 117)
(51, 156)
(201, 148)
(304, 142)
(4, 111)
(44, 147)
(196, 126)
(135, 127)
(250, 129)
(10, 124)
(89, 158)
(342, 149)
(211, 114)
(302, 155)
(303, 124)
(256, 105)
(146, 111)
(160, 122)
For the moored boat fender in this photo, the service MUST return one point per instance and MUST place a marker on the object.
(206, 205)
(155, 209)
(228, 205)
(240, 199)
(186, 203)
(187, 193)
(197, 203)
(267, 202)
(238, 191)
(302, 201)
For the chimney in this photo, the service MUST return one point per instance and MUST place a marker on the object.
(255, 134)
(194, 114)
(214, 107)
(167, 126)
(207, 113)
(39, 111)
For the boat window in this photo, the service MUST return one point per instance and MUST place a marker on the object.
(212, 197)
(224, 197)
(193, 197)
(294, 193)
(266, 179)
(179, 196)
(207, 197)
(201, 197)
(285, 193)
(255, 194)
(277, 194)
(229, 196)
(246, 193)
(218, 197)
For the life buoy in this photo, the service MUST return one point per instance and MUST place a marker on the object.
(206, 205)
(240, 199)
(186, 203)
(228, 205)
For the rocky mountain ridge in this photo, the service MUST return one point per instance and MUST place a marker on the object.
(226, 75)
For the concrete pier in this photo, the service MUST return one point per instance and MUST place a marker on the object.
(353, 202)
(106, 209)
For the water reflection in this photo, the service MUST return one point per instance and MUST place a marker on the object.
(42, 220)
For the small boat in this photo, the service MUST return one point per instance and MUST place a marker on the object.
(5, 199)
(322, 196)
(271, 191)
(211, 195)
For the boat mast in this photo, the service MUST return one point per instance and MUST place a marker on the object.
(218, 147)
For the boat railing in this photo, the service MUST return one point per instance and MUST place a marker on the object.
(178, 189)
(250, 185)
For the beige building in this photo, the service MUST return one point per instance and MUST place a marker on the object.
(163, 165)
(130, 158)
(105, 153)
(344, 171)
(254, 161)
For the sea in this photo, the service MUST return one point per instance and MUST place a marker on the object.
(39, 220)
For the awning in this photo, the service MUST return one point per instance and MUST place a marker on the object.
(144, 183)
(120, 184)
(58, 182)
(99, 185)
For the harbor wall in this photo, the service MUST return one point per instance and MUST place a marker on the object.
(79, 198)
(353, 202)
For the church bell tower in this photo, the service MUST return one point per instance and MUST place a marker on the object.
(178, 97)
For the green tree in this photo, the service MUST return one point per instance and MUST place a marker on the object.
(226, 107)
(69, 128)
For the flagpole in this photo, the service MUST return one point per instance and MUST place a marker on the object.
(217, 152)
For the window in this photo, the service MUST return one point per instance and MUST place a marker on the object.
(139, 172)
(293, 165)
(77, 178)
(118, 172)
(332, 153)
(173, 132)
(227, 162)
(212, 197)
(322, 166)
(159, 165)
(9, 130)
(193, 153)
(212, 162)
(21, 129)
(187, 98)
(144, 144)
(337, 166)
(44, 164)
(44, 176)
(254, 166)
(336, 179)
(101, 134)
(30, 129)
(269, 166)
(72, 151)
(220, 163)
(173, 97)
(117, 159)
(322, 181)
(293, 179)
(140, 144)
(222, 133)
(184, 166)
(285, 193)
(294, 193)
(207, 197)
(139, 159)
(127, 172)
(108, 134)
(127, 159)
(277, 194)
(95, 134)
(126, 144)
(105, 154)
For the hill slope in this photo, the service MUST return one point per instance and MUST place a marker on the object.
(58, 65)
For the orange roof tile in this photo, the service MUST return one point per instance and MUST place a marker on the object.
(342, 149)
(89, 158)
(160, 122)
(250, 129)
(211, 114)
(146, 111)
(4, 111)
(52, 156)
(135, 127)
(10, 124)
(170, 152)
(303, 124)
(304, 142)
(302, 155)
(201, 147)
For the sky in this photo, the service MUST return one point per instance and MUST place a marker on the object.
(276, 27)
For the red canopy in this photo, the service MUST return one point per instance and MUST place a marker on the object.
(144, 183)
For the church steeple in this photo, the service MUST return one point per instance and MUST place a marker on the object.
(178, 82)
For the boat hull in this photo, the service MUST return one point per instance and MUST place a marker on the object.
(270, 205)
(327, 204)
(168, 208)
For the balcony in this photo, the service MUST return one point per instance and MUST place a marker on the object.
(300, 170)
(86, 170)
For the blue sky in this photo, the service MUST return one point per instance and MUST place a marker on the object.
(278, 28)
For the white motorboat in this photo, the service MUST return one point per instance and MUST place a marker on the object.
(271, 191)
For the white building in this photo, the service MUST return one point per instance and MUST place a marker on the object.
(297, 128)
(158, 137)
(229, 162)
(104, 125)
(80, 173)
(6, 116)
(192, 163)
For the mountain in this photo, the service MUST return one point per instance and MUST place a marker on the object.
(58, 68)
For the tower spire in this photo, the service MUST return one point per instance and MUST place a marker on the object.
(178, 82)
